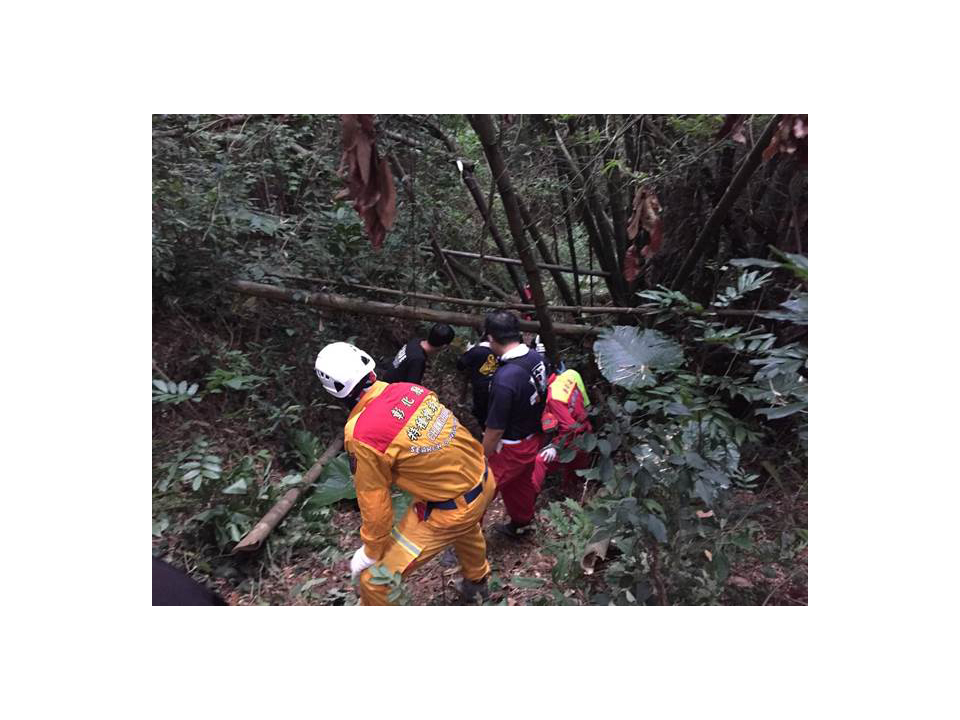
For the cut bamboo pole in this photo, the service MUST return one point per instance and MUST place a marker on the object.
(593, 310)
(253, 540)
(370, 307)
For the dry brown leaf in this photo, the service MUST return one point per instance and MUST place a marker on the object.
(708, 554)
(701, 514)
(740, 582)
(790, 138)
(646, 214)
(593, 552)
(369, 181)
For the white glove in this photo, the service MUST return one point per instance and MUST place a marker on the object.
(499, 447)
(359, 563)
(549, 453)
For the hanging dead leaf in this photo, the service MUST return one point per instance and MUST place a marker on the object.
(708, 554)
(789, 138)
(369, 181)
(703, 515)
(646, 214)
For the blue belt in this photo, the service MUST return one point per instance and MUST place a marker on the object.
(468, 496)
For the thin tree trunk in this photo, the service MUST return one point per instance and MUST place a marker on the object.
(604, 251)
(545, 253)
(470, 181)
(408, 188)
(483, 126)
(739, 182)
(513, 261)
(573, 253)
(614, 194)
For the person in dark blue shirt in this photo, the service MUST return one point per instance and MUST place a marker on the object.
(410, 362)
(479, 363)
(512, 439)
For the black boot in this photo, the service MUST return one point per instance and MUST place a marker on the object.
(470, 590)
(513, 531)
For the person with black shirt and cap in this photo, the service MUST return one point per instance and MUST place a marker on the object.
(511, 439)
(411, 361)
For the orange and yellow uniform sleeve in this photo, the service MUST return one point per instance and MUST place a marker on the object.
(373, 477)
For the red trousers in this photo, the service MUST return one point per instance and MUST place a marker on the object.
(571, 481)
(513, 469)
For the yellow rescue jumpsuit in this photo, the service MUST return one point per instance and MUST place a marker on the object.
(400, 434)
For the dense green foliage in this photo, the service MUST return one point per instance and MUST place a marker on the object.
(697, 494)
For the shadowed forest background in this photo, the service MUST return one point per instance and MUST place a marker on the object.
(664, 257)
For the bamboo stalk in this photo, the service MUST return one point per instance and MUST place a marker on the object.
(253, 540)
(592, 310)
(370, 307)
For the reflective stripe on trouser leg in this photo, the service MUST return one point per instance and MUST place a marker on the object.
(460, 528)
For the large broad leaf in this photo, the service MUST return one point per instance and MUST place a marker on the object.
(628, 356)
(794, 311)
(335, 484)
(755, 262)
(655, 525)
(782, 411)
(237, 488)
(719, 453)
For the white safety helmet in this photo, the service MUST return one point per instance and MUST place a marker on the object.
(340, 366)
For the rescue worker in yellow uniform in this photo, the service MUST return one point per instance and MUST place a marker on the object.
(401, 434)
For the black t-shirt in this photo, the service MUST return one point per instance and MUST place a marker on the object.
(408, 365)
(517, 396)
(480, 362)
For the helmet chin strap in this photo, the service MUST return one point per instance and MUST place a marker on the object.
(351, 400)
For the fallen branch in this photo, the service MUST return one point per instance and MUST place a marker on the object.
(523, 307)
(253, 540)
(370, 307)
